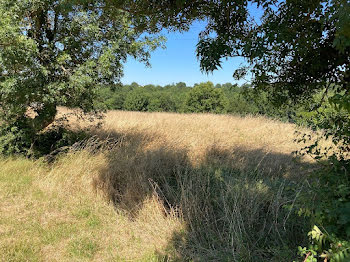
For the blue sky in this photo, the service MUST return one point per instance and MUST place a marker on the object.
(178, 62)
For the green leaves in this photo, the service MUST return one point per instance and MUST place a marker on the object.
(328, 205)
(59, 53)
(317, 235)
(205, 98)
(342, 22)
(137, 100)
(341, 101)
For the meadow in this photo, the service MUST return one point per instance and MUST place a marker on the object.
(159, 187)
(163, 182)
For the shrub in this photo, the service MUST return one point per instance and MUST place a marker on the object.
(16, 140)
(327, 203)
(161, 103)
(205, 98)
(137, 100)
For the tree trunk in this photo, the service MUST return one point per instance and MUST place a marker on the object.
(45, 116)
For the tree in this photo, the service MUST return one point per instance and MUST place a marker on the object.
(110, 98)
(181, 85)
(160, 102)
(134, 85)
(59, 53)
(137, 100)
(205, 98)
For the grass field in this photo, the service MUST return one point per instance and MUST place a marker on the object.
(173, 187)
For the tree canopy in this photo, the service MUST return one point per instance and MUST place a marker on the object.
(296, 46)
(205, 98)
(58, 53)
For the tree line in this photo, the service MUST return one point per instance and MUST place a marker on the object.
(206, 97)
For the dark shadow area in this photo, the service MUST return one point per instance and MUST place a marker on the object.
(56, 140)
(232, 201)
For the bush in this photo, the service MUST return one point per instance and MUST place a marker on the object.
(16, 139)
(55, 138)
(327, 203)
(161, 103)
(328, 199)
(137, 100)
(205, 98)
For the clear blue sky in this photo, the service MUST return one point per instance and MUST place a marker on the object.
(178, 62)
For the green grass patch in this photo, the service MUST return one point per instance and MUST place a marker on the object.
(20, 251)
(83, 247)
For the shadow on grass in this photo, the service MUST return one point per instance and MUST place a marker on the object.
(56, 140)
(232, 201)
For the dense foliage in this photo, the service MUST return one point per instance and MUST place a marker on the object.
(58, 53)
(205, 97)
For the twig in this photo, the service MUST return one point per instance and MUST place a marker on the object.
(307, 255)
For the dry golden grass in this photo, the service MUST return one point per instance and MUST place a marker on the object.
(199, 132)
(54, 214)
(238, 141)
(178, 187)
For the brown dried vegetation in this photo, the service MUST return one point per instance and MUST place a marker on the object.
(178, 188)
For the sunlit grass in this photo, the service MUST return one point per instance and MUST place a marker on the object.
(174, 188)
(52, 213)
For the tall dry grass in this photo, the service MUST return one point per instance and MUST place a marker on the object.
(229, 178)
(198, 134)
(53, 213)
(196, 187)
